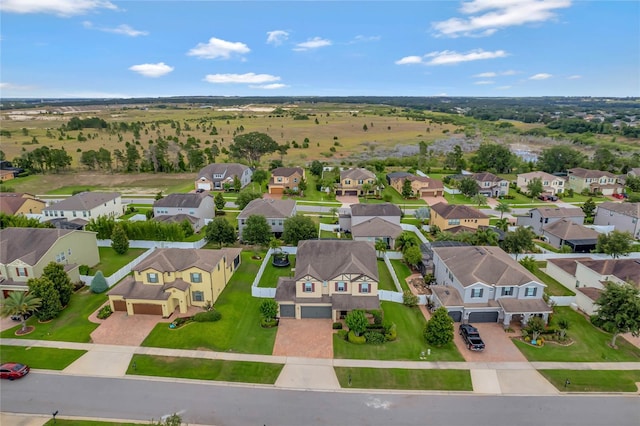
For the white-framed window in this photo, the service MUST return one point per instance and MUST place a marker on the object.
(453, 221)
(476, 292)
(196, 277)
(197, 296)
(360, 182)
(365, 288)
(507, 291)
(347, 182)
(341, 286)
(22, 272)
(152, 277)
(530, 291)
(308, 287)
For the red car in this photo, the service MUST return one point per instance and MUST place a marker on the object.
(13, 370)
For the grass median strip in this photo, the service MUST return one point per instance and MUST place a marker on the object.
(71, 422)
(42, 358)
(400, 378)
(593, 380)
(205, 369)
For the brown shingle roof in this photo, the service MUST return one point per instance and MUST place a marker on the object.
(586, 173)
(376, 227)
(567, 230)
(383, 209)
(486, 177)
(569, 265)
(175, 259)
(521, 306)
(176, 218)
(624, 269)
(182, 200)
(457, 211)
(356, 174)
(448, 296)
(28, 244)
(591, 292)
(84, 201)
(326, 259)
(542, 175)
(560, 211)
(130, 289)
(627, 209)
(268, 208)
(286, 171)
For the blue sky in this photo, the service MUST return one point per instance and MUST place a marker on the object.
(105, 48)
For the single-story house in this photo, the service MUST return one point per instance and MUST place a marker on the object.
(565, 232)
(196, 208)
(275, 211)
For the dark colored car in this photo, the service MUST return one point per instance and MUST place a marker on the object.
(13, 370)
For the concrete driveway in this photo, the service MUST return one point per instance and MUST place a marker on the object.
(304, 338)
(498, 345)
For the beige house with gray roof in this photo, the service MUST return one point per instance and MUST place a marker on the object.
(171, 280)
(624, 216)
(196, 208)
(550, 184)
(351, 181)
(565, 232)
(332, 277)
(485, 284)
(595, 181)
(218, 176)
(285, 178)
(83, 207)
(275, 211)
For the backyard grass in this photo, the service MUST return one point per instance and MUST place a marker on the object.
(205, 369)
(410, 342)
(589, 343)
(42, 358)
(402, 272)
(69, 422)
(593, 380)
(411, 221)
(111, 262)
(399, 378)
(554, 288)
(303, 202)
(546, 246)
(71, 326)
(396, 198)
(272, 273)
(239, 329)
(386, 282)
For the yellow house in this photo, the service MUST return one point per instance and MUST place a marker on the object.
(284, 178)
(421, 186)
(175, 279)
(351, 181)
(17, 203)
(452, 216)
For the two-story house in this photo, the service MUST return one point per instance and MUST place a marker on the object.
(275, 211)
(595, 181)
(485, 284)
(351, 181)
(551, 184)
(540, 217)
(491, 185)
(332, 278)
(457, 217)
(373, 222)
(285, 178)
(564, 232)
(197, 208)
(218, 176)
(624, 216)
(421, 186)
(83, 207)
(24, 253)
(18, 203)
(6, 175)
(175, 279)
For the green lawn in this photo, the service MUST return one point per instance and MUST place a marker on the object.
(411, 221)
(139, 210)
(316, 203)
(396, 198)
(386, 282)
(410, 343)
(71, 326)
(111, 262)
(402, 272)
(546, 246)
(554, 288)
(239, 329)
(42, 358)
(68, 190)
(589, 343)
(67, 422)
(205, 369)
(397, 378)
(272, 273)
(593, 380)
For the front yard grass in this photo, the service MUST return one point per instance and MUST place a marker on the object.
(589, 343)
(42, 358)
(72, 422)
(396, 198)
(410, 342)
(272, 273)
(593, 380)
(239, 329)
(554, 288)
(386, 282)
(111, 262)
(400, 378)
(72, 325)
(402, 272)
(205, 369)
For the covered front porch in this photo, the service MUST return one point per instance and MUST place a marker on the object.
(522, 310)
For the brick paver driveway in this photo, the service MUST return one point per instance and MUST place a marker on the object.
(498, 345)
(435, 200)
(307, 338)
(347, 200)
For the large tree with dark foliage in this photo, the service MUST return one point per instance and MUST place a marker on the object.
(559, 159)
(252, 146)
(494, 158)
(619, 310)
(299, 228)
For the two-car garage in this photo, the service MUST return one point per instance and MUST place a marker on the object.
(289, 311)
(475, 316)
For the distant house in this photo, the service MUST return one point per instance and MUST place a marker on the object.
(362, 212)
(275, 211)
(196, 208)
(175, 279)
(624, 216)
(18, 203)
(351, 181)
(6, 175)
(539, 217)
(634, 172)
(551, 184)
(285, 178)
(215, 177)
(24, 252)
(595, 181)
(421, 186)
(332, 278)
(485, 284)
(448, 217)
(491, 185)
(565, 232)
(395, 175)
(81, 208)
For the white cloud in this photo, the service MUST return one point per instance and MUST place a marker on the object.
(152, 70)
(312, 43)
(55, 7)
(277, 37)
(540, 76)
(11, 86)
(364, 39)
(574, 77)
(409, 60)
(449, 57)
(269, 86)
(486, 75)
(217, 48)
(248, 78)
(488, 16)
(120, 29)
(509, 72)
(484, 82)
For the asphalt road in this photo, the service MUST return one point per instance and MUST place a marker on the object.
(210, 404)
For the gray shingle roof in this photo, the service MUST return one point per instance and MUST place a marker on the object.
(587, 173)
(181, 200)
(624, 269)
(383, 209)
(560, 211)
(226, 169)
(327, 259)
(357, 174)
(627, 209)
(28, 244)
(376, 227)
(286, 171)
(174, 259)
(570, 231)
(487, 177)
(457, 211)
(268, 208)
(84, 201)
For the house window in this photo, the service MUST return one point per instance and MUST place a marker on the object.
(365, 288)
(74, 213)
(454, 221)
(69, 252)
(530, 291)
(152, 277)
(279, 179)
(22, 272)
(308, 287)
(341, 286)
(507, 291)
(273, 223)
(196, 277)
(476, 292)
(360, 182)
(347, 182)
(295, 180)
(197, 296)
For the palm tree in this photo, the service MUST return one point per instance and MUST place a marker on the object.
(406, 240)
(366, 189)
(380, 185)
(479, 199)
(502, 224)
(20, 303)
(486, 237)
(333, 211)
(381, 247)
(503, 208)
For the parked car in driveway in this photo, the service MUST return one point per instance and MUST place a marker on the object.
(548, 197)
(471, 337)
(13, 370)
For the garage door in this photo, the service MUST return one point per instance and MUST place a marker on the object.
(456, 316)
(204, 186)
(120, 305)
(315, 312)
(147, 309)
(287, 311)
(483, 317)
(276, 190)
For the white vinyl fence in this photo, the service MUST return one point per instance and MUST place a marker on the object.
(122, 272)
(262, 291)
(158, 244)
(563, 300)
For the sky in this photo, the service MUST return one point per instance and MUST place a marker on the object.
(151, 48)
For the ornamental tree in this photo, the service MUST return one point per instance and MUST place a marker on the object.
(619, 310)
(439, 329)
(356, 321)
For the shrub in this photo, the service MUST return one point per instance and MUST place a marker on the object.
(99, 283)
(268, 323)
(409, 299)
(207, 316)
(182, 321)
(83, 269)
(105, 312)
(358, 340)
(527, 339)
(387, 198)
(337, 325)
(377, 315)
(342, 334)
(391, 333)
(269, 309)
(374, 337)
